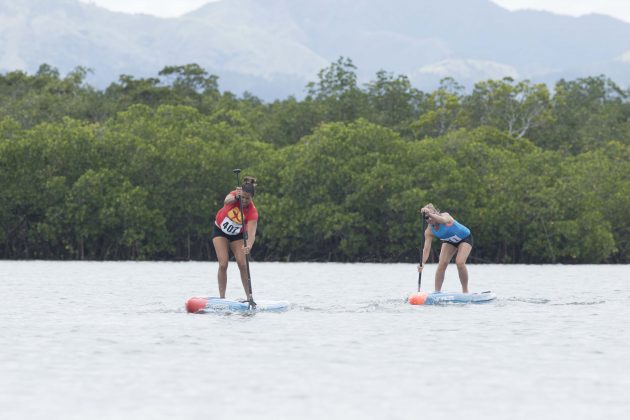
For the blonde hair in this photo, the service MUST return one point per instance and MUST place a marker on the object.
(431, 207)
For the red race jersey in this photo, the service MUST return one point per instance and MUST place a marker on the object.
(229, 218)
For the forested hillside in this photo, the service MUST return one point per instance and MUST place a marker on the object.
(138, 170)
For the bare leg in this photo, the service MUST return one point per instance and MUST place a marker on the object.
(462, 255)
(446, 254)
(239, 255)
(221, 246)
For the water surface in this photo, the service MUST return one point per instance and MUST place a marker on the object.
(93, 340)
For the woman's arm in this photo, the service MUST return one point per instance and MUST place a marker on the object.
(426, 250)
(442, 218)
(231, 197)
(251, 235)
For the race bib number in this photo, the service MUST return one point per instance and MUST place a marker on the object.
(230, 227)
(453, 239)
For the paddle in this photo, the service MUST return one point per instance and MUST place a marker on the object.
(252, 304)
(421, 250)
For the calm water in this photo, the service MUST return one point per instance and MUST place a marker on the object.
(83, 340)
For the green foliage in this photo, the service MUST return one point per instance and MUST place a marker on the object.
(588, 113)
(513, 107)
(442, 111)
(109, 218)
(393, 102)
(139, 170)
(337, 93)
(46, 97)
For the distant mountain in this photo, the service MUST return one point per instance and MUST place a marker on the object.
(272, 48)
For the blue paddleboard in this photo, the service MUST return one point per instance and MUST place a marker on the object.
(437, 298)
(215, 304)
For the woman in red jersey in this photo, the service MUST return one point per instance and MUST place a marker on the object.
(229, 228)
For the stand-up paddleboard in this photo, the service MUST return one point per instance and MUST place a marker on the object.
(215, 304)
(436, 298)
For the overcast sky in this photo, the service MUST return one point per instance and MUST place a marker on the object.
(170, 8)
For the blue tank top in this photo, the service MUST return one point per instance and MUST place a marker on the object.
(454, 233)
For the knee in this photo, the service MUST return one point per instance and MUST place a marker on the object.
(442, 266)
(223, 265)
(461, 264)
(242, 265)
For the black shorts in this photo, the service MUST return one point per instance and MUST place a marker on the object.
(216, 232)
(468, 239)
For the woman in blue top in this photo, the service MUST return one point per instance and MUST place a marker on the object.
(456, 239)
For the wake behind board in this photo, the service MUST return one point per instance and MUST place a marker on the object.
(437, 298)
(215, 304)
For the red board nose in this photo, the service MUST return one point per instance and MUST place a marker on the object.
(418, 298)
(195, 304)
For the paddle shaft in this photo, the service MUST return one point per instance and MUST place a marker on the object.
(250, 298)
(421, 250)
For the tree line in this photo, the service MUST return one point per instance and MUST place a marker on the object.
(138, 170)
